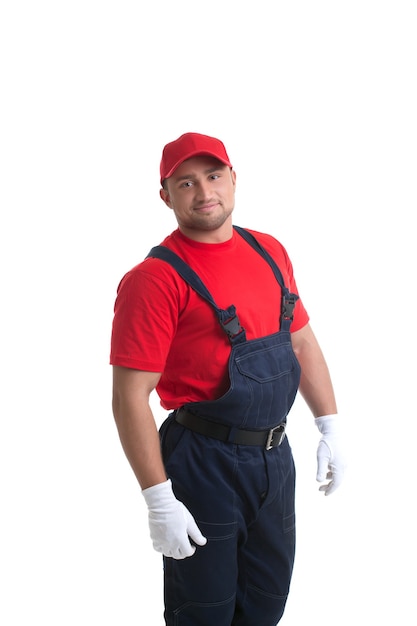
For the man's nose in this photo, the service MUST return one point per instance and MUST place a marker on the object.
(203, 189)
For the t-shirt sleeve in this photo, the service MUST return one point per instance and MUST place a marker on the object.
(145, 318)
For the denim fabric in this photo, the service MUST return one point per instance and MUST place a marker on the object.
(264, 376)
(242, 498)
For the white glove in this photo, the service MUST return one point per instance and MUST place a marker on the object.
(330, 458)
(170, 523)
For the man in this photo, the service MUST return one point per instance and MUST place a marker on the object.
(212, 320)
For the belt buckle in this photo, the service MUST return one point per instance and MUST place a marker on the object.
(280, 428)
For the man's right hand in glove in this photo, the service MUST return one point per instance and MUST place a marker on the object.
(171, 524)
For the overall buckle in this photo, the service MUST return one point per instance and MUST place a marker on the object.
(272, 441)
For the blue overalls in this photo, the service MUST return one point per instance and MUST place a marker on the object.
(231, 465)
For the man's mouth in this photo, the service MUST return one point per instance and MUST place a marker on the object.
(206, 207)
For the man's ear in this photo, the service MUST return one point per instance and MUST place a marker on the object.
(165, 197)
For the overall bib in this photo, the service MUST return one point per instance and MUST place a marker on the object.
(231, 465)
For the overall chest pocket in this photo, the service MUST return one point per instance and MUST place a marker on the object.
(268, 363)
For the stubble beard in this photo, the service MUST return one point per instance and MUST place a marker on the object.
(210, 222)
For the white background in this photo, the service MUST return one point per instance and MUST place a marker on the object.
(316, 102)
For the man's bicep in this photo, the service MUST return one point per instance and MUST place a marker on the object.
(131, 385)
(302, 338)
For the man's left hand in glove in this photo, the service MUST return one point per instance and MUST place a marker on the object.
(331, 461)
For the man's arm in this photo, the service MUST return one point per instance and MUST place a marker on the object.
(136, 424)
(317, 390)
(315, 384)
(171, 524)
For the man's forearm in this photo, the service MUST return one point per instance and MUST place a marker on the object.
(140, 441)
(315, 384)
(136, 424)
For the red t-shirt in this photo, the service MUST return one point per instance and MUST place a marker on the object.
(161, 325)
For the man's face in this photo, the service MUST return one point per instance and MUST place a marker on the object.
(201, 192)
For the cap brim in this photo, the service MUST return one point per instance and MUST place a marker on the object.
(192, 154)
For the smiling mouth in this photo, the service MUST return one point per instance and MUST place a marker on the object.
(206, 207)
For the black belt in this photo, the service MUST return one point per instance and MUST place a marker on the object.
(267, 438)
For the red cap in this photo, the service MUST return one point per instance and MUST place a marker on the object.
(187, 146)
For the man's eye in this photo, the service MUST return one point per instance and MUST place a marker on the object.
(187, 183)
(214, 176)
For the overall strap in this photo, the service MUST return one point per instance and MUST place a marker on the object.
(288, 299)
(228, 319)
